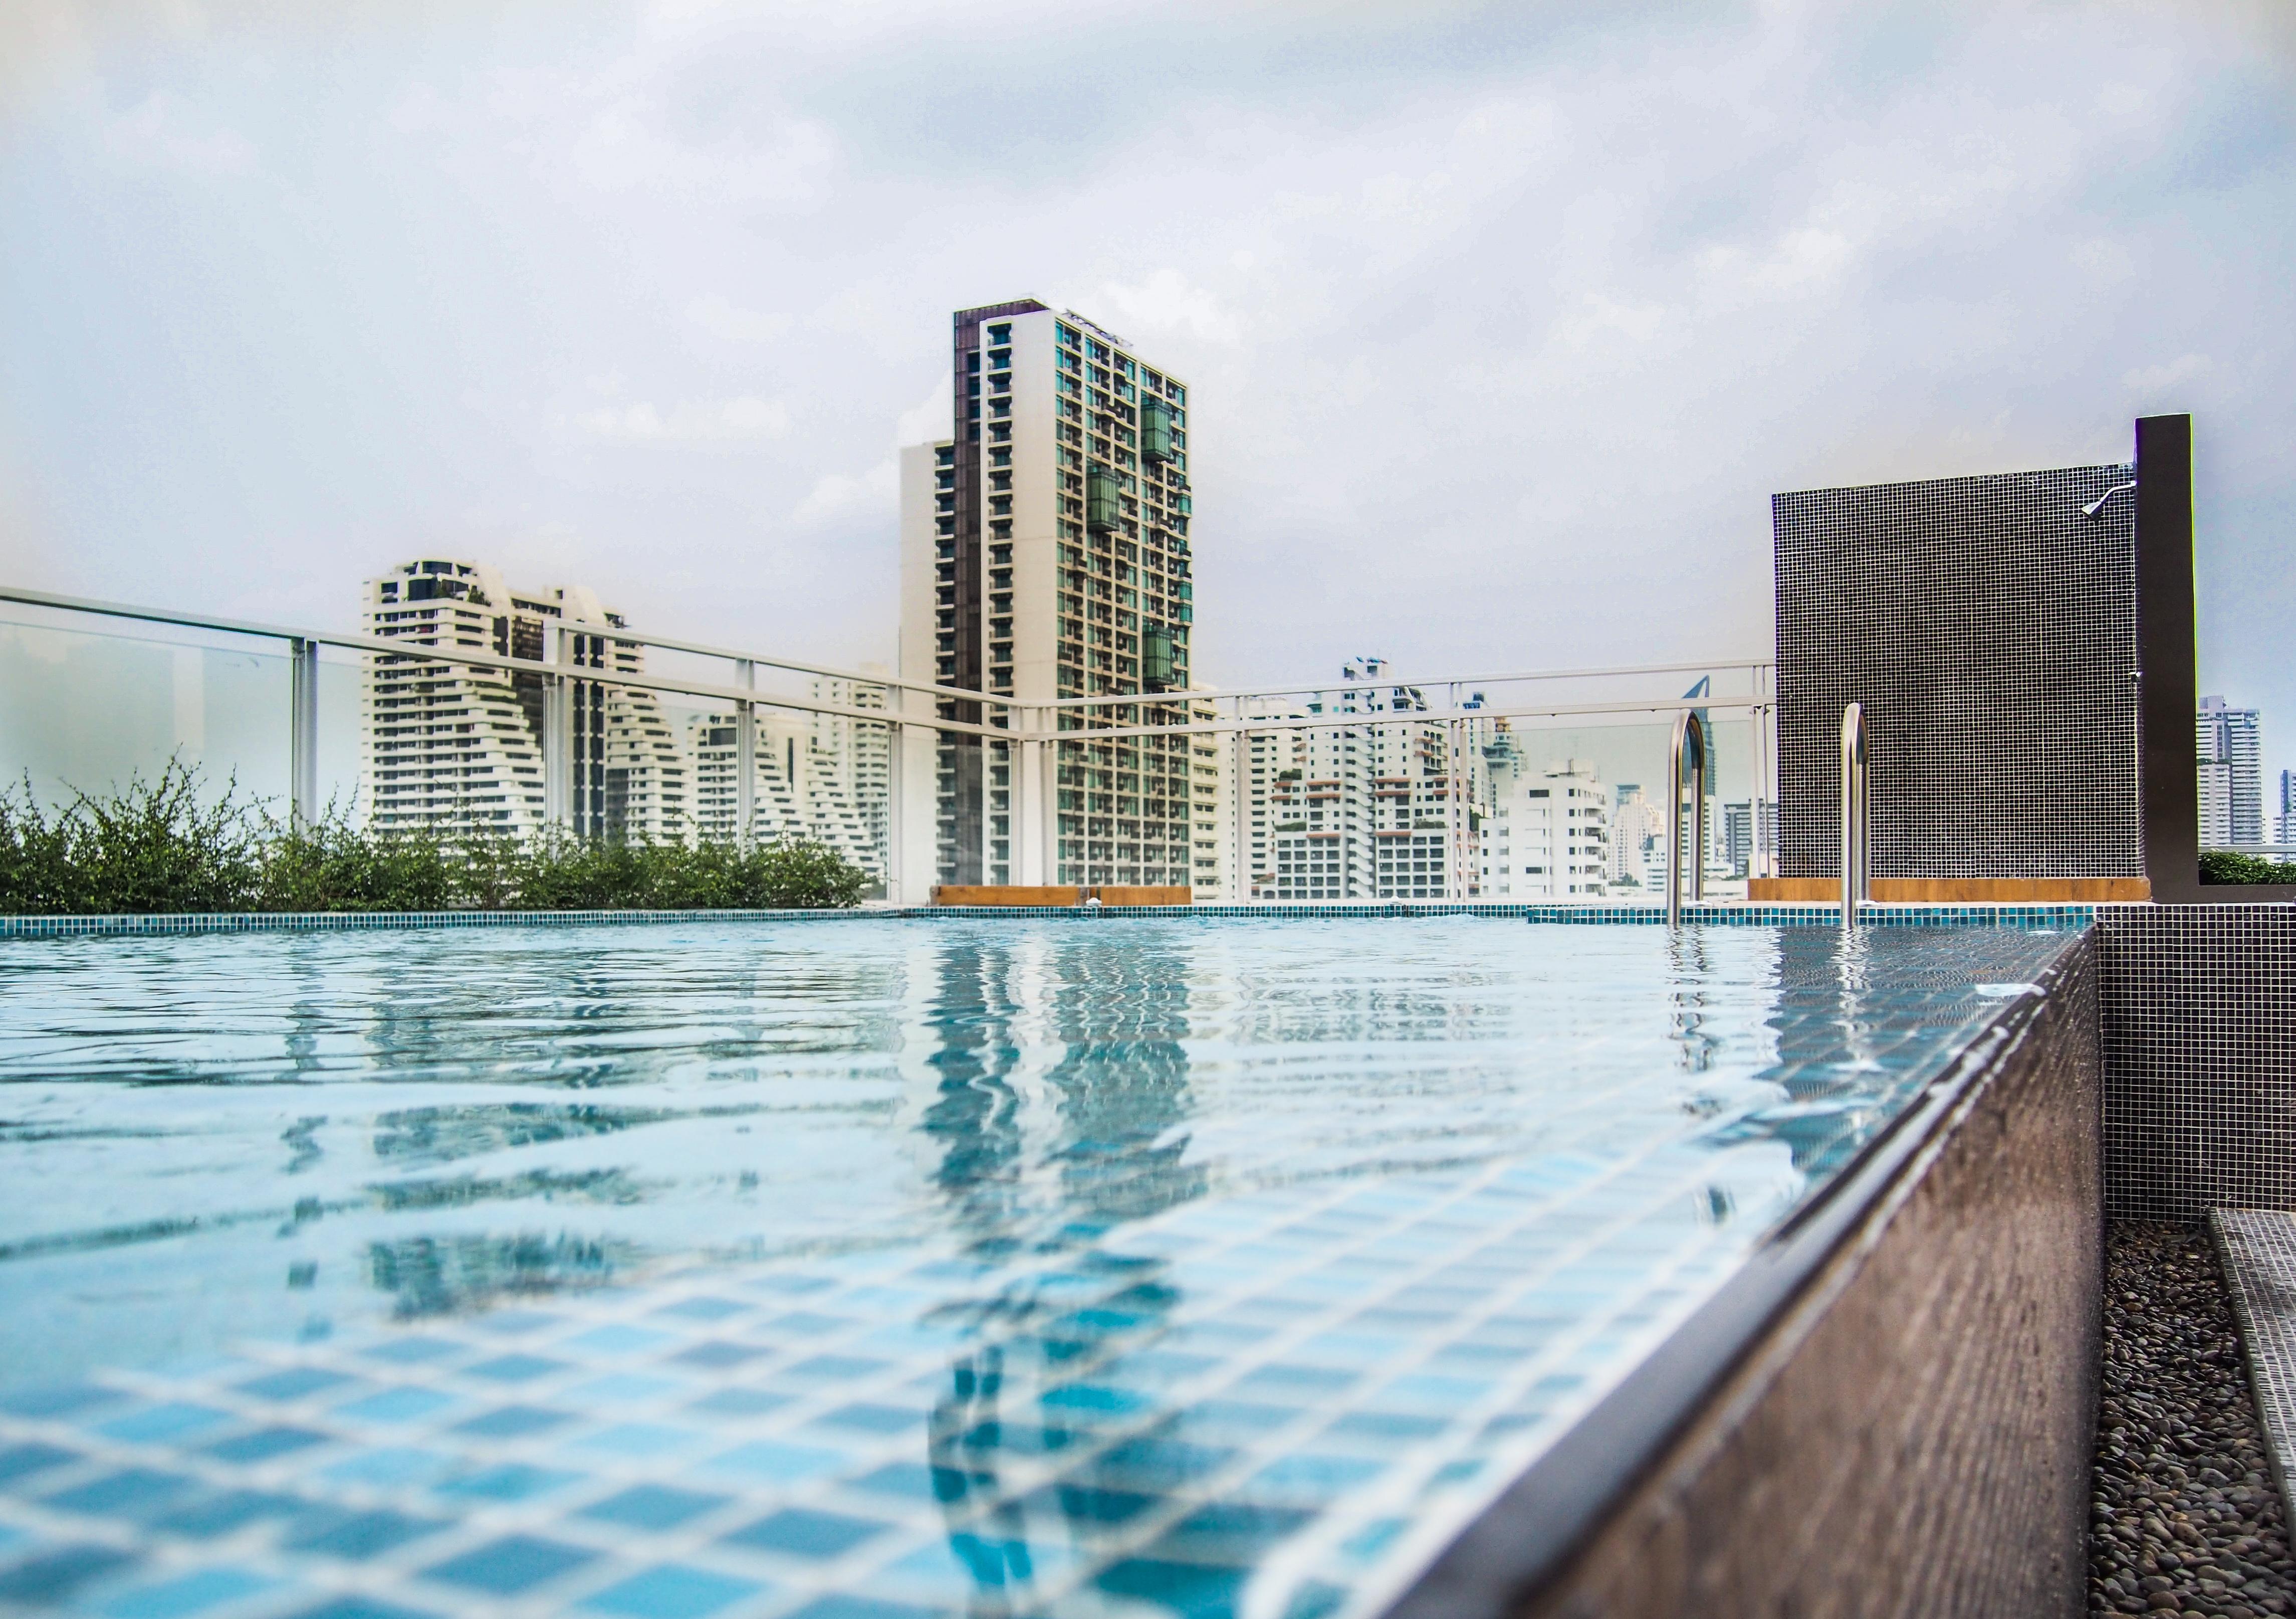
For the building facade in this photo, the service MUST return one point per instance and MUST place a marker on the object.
(1046, 555)
(1372, 804)
(453, 748)
(2230, 744)
(821, 778)
(1548, 834)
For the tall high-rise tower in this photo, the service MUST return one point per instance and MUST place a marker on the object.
(1044, 556)
(2232, 788)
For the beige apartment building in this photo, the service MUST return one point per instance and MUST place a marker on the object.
(1046, 555)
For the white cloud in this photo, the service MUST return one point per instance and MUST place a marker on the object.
(2168, 373)
(721, 317)
(838, 495)
(929, 420)
(691, 422)
(1168, 302)
(158, 133)
(1600, 316)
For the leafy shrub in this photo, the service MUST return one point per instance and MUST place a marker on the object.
(2230, 865)
(156, 846)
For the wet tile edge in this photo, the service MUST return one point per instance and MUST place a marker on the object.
(2044, 917)
(2258, 1250)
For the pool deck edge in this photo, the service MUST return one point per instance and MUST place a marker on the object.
(2044, 917)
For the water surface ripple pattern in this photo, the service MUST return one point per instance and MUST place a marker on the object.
(886, 1268)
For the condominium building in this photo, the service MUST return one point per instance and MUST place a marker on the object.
(1379, 805)
(2232, 789)
(1266, 761)
(1548, 836)
(1211, 865)
(1046, 555)
(2283, 831)
(821, 778)
(452, 747)
(1637, 841)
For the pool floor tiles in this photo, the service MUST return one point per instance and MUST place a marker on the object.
(1349, 1366)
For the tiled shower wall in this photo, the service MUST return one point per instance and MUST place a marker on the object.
(1990, 631)
(2197, 1009)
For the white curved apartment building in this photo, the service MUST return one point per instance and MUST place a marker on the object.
(459, 748)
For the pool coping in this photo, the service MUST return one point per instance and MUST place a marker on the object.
(2039, 916)
(1524, 1542)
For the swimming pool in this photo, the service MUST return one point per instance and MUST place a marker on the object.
(880, 1268)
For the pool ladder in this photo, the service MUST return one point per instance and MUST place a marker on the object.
(1857, 816)
(1690, 747)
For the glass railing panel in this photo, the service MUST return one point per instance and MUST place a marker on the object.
(91, 710)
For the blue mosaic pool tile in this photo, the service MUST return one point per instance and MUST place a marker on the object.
(671, 1590)
(53, 1577)
(361, 1607)
(203, 1590)
(510, 1566)
(654, 1507)
(801, 1531)
(508, 1482)
(162, 1423)
(58, 1401)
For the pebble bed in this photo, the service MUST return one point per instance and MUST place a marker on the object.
(2185, 1518)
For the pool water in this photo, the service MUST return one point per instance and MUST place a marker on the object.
(871, 1269)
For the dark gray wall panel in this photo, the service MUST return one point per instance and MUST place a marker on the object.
(2197, 1011)
(1990, 631)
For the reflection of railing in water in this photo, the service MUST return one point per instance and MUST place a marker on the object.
(1458, 713)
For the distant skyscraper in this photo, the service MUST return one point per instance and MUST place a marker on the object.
(2284, 830)
(1635, 828)
(2231, 795)
(1045, 553)
(458, 748)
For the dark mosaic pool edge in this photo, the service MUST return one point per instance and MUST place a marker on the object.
(1522, 1545)
(2042, 918)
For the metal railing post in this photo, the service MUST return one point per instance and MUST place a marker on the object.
(1690, 740)
(745, 755)
(1857, 816)
(557, 732)
(303, 732)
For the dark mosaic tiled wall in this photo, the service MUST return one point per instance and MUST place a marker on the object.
(2197, 1010)
(1915, 1439)
(1990, 630)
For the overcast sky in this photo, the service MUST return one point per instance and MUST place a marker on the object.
(1503, 323)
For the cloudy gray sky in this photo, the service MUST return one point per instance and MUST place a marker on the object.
(1504, 321)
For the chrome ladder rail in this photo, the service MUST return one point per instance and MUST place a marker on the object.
(1690, 741)
(1857, 816)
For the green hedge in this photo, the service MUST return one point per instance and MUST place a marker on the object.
(2230, 865)
(157, 846)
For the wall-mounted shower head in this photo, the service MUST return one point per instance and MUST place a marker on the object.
(2096, 508)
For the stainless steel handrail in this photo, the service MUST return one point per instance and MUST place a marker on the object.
(1227, 692)
(1689, 740)
(1857, 816)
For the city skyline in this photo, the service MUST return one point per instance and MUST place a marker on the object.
(1496, 348)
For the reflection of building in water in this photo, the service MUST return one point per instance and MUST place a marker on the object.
(457, 748)
(1106, 1118)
